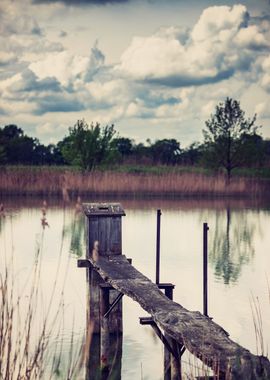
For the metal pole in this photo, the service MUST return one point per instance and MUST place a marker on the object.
(158, 247)
(205, 265)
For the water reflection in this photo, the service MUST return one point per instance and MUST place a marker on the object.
(232, 244)
(238, 251)
(76, 230)
(230, 247)
(97, 367)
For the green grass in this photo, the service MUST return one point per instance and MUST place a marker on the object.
(121, 168)
(158, 169)
(262, 172)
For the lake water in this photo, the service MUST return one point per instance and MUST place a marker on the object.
(239, 266)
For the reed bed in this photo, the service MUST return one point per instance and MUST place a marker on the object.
(31, 334)
(46, 181)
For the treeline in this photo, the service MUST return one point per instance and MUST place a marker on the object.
(230, 141)
(88, 146)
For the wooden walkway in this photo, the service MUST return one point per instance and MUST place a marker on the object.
(199, 334)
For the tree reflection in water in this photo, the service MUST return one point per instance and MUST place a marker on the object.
(232, 244)
(230, 241)
(76, 230)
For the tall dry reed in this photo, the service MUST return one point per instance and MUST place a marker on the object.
(31, 334)
(66, 183)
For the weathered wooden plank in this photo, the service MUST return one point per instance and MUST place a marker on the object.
(199, 334)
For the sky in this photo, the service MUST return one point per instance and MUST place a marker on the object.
(155, 68)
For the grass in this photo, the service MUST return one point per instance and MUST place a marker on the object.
(136, 181)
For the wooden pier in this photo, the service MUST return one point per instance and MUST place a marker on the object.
(111, 275)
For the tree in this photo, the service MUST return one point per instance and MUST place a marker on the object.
(166, 151)
(192, 154)
(88, 145)
(228, 136)
(16, 147)
(124, 146)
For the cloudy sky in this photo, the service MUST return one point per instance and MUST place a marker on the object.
(156, 68)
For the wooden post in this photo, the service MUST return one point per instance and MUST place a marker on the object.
(104, 332)
(176, 362)
(158, 247)
(167, 355)
(103, 238)
(172, 365)
(92, 353)
(205, 269)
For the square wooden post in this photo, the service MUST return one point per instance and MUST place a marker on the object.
(103, 238)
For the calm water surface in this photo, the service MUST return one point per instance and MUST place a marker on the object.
(239, 268)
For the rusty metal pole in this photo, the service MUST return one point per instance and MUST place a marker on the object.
(158, 247)
(205, 268)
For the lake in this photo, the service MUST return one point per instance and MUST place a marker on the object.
(239, 267)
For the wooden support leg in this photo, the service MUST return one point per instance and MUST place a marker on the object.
(172, 364)
(92, 356)
(167, 364)
(176, 362)
(93, 302)
(104, 333)
(116, 343)
(93, 326)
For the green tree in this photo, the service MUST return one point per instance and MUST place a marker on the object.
(16, 147)
(124, 146)
(88, 145)
(192, 154)
(230, 138)
(3, 157)
(166, 151)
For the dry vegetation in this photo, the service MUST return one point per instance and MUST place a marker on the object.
(31, 334)
(49, 181)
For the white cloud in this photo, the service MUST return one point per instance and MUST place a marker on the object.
(22, 107)
(64, 66)
(219, 23)
(45, 129)
(15, 20)
(208, 109)
(109, 92)
(263, 110)
(67, 68)
(265, 81)
(220, 43)
(251, 38)
(21, 38)
(7, 58)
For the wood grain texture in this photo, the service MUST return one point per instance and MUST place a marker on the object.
(200, 335)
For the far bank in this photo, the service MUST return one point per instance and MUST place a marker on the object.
(135, 181)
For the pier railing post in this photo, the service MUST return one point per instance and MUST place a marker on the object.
(205, 268)
(158, 247)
